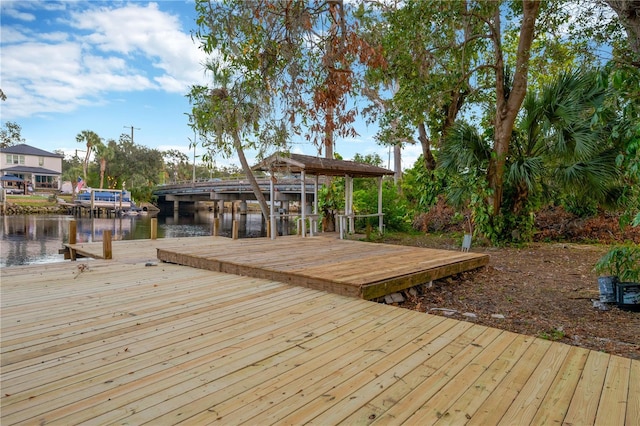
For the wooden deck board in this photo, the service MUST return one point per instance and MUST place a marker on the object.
(349, 268)
(553, 408)
(168, 344)
(633, 403)
(584, 405)
(613, 401)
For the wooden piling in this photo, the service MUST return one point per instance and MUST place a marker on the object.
(154, 228)
(234, 230)
(269, 228)
(107, 252)
(73, 228)
(216, 226)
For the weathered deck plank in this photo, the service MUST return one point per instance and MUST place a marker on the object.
(124, 343)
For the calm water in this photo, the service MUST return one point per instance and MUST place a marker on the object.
(33, 239)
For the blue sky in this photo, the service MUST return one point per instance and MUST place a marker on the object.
(68, 66)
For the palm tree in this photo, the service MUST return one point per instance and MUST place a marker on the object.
(557, 145)
(104, 154)
(91, 139)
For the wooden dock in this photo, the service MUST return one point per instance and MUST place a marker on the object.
(119, 342)
(350, 268)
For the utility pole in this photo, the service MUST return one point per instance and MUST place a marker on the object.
(132, 128)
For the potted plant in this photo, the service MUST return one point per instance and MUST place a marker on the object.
(622, 263)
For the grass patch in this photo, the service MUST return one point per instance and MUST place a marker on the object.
(553, 335)
(32, 200)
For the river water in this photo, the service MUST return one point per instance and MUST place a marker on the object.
(34, 239)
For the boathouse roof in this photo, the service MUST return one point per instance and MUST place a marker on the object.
(296, 163)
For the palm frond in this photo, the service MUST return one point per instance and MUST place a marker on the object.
(464, 149)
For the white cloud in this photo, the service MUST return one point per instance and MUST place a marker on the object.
(49, 68)
(22, 16)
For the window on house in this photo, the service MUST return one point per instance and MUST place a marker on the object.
(15, 159)
(41, 161)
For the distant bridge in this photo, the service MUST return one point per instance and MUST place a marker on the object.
(238, 189)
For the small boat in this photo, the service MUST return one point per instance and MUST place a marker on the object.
(105, 199)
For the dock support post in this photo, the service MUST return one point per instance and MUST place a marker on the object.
(243, 207)
(73, 228)
(107, 253)
(268, 228)
(154, 228)
(72, 238)
(234, 230)
(216, 226)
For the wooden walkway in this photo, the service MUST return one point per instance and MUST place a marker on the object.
(350, 268)
(118, 342)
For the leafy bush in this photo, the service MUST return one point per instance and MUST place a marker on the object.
(394, 206)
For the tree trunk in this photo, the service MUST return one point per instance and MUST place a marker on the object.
(103, 167)
(250, 176)
(628, 12)
(85, 164)
(508, 105)
(397, 165)
(429, 161)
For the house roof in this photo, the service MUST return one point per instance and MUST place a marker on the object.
(295, 163)
(27, 169)
(24, 149)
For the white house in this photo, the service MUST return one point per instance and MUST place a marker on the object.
(30, 165)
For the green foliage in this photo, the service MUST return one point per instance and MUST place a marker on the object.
(581, 206)
(622, 261)
(371, 159)
(554, 334)
(71, 168)
(624, 134)
(421, 187)
(10, 134)
(331, 197)
(394, 207)
(561, 149)
(134, 167)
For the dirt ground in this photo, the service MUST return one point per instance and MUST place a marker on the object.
(539, 289)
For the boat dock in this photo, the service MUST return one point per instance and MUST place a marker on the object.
(134, 340)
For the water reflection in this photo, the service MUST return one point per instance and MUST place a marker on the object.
(32, 239)
(36, 239)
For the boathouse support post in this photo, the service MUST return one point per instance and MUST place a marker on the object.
(352, 226)
(380, 218)
(271, 224)
(348, 203)
(303, 203)
(315, 202)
